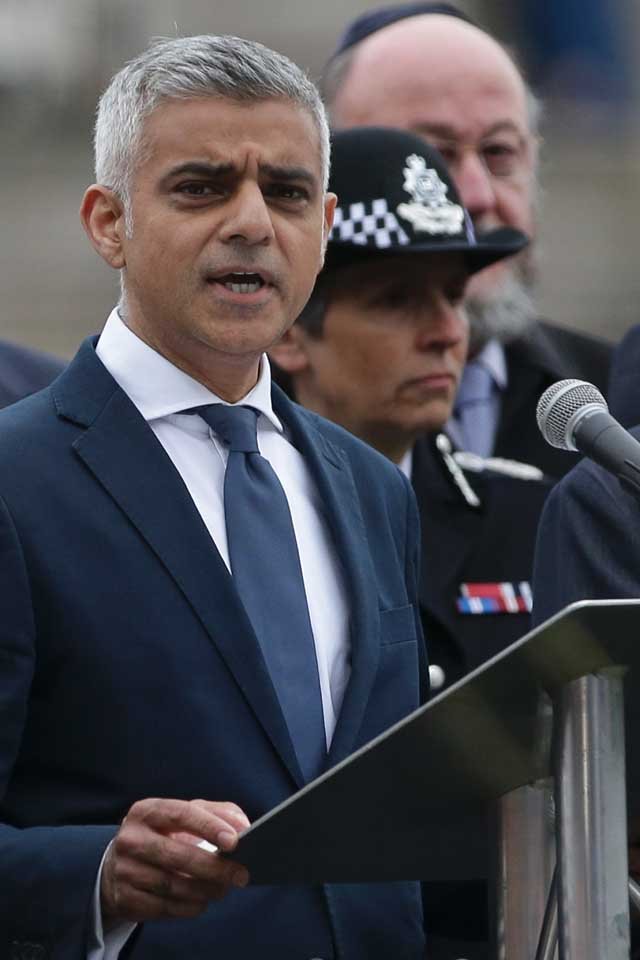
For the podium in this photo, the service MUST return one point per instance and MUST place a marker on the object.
(532, 741)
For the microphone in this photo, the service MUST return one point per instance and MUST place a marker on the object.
(573, 415)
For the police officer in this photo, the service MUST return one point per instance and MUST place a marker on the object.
(380, 349)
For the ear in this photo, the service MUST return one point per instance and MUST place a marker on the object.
(330, 202)
(102, 216)
(290, 351)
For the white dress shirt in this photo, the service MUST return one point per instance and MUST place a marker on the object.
(161, 391)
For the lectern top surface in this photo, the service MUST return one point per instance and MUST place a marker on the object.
(440, 768)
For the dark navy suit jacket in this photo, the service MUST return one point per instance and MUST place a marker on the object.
(589, 549)
(24, 371)
(129, 669)
(588, 545)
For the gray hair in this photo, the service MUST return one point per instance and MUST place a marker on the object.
(186, 68)
(338, 68)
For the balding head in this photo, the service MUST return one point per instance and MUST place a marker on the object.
(452, 83)
(428, 51)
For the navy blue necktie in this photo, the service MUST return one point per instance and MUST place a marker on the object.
(265, 565)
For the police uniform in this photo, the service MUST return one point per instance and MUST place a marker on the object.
(406, 204)
(478, 536)
(479, 521)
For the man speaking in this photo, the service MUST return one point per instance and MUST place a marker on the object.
(208, 595)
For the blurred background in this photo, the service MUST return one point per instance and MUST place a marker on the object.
(57, 55)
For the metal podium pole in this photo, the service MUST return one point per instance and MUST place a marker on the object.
(548, 943)
(525, 854)
(589, 761)
(526, 857)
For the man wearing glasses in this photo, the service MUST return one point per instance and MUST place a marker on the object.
(427, 68)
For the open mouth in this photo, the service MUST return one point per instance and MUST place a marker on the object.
(239, 282)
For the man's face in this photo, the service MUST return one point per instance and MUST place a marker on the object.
(452, 84)
(393, 346)
(228, 215)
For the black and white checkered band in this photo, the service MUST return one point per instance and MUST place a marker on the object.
(368, 224)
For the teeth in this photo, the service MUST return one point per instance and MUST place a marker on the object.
(242, 287)
(242, 281)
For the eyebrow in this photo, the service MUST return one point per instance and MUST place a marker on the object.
(199, 169)
(202, 169)
(287, 174)
(448, 133)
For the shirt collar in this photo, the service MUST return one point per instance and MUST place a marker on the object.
(492, 358)
(406, 463)
(157, 387)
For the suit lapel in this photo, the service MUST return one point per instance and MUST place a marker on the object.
(128, 461)
(533, 363)
(332, 475)
(517, 412)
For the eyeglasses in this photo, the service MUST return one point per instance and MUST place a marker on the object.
(505, 156)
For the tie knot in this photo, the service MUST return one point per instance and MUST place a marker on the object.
(237, 426)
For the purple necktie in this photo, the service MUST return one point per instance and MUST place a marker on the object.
(474, 410)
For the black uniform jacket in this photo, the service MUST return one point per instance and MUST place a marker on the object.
(492, 543)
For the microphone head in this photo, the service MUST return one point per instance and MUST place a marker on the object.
(561, 406)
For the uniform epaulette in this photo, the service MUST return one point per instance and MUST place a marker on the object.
(509, 468)
(456, 473)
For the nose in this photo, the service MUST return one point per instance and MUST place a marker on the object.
(442, 325)
(248, 218)
(475, 185)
